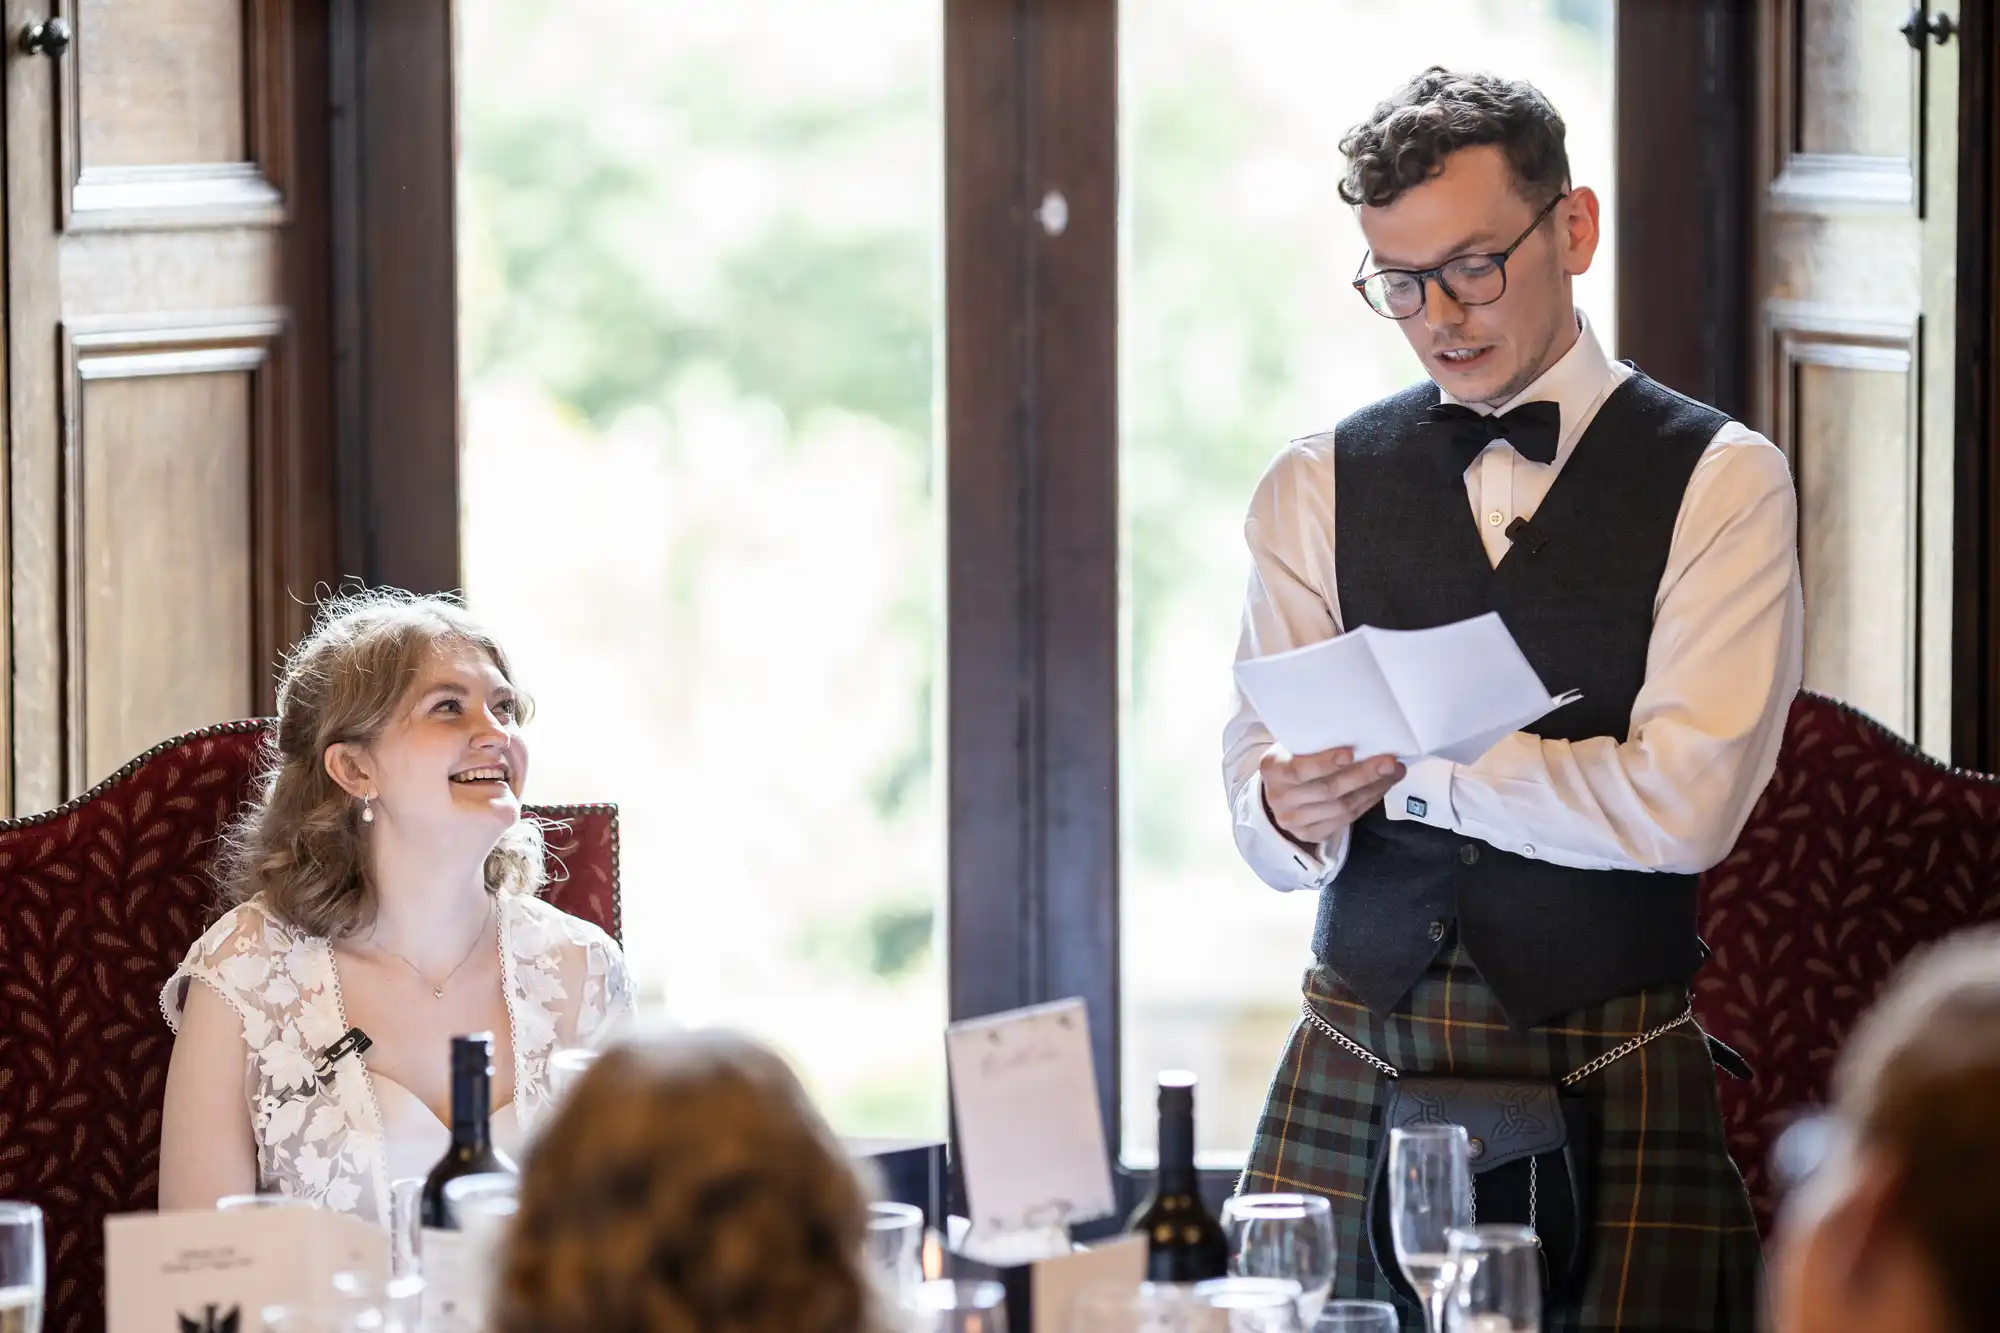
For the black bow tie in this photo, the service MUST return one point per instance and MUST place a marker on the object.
(1531, 428)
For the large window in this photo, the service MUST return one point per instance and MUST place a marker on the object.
(699, 262)
(700, 265)
(1238, 332)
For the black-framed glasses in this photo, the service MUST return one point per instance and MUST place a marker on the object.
(1398, 293)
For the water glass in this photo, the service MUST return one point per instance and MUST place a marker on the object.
(895, 1249)
(484, 1205)
(955, 1306)
(23, 1275)
(1496, 1280)
(406, 1246)
(1359, 1317)
(1253, 1304)
(1430, 1196)
(1287, 1236)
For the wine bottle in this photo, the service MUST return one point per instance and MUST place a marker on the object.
(451, 1284)
(1184, 1242)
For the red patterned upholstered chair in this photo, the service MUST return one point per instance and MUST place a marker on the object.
(99, 900)
(1861, 850)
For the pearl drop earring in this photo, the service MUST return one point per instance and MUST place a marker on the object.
(367, 811)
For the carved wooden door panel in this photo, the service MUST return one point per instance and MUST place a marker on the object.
(152, 496)
(1858, 132)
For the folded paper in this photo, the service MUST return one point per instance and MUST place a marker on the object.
(1452, 692)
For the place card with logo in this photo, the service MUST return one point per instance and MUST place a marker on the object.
(215, 1272)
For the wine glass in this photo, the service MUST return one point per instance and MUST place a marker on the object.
(1253, 1304)
(23, 1275)
(1430, 1195)
(957, 1306)
(1284, 1236)
(568, 1065)
(1496, 1280)
(1359, 1317)
(895, 1243)
(397, 1301)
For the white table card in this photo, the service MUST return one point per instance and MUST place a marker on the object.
(1054, 1287)
(1030, 1142)
(214, 1272)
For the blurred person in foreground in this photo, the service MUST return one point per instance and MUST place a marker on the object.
(1528, 917)
(687, 1185)
(1893, 1229)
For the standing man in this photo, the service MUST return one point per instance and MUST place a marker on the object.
(1522, 916)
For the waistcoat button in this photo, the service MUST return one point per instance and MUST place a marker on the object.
(1469, 854)
(1437, 931)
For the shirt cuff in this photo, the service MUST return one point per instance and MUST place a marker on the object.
(1278, 861)
(1424, 795)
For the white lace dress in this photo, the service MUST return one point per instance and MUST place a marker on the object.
(341, 1143)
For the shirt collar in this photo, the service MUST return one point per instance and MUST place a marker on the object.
(1576, 383)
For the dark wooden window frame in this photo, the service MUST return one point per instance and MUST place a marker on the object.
(1032, 411)
(1976, 629)
(393, 133)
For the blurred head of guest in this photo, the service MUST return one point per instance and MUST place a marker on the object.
(1894, 1228)
(687, 1185)
(1474, 231)
(399, 755)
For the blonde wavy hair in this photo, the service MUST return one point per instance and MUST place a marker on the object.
(302, 848)
(687, 1185)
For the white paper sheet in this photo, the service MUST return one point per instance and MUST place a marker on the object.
(1025, 1094)
(1452, 692)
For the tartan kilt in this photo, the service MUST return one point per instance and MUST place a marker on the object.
(1675, 1245)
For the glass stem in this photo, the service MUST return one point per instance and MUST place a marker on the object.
(1434, 1298)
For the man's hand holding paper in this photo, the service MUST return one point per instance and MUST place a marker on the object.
(1312, 797)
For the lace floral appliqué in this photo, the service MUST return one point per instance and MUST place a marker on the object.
(564, 980)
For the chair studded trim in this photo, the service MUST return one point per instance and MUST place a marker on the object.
(256, 726)
(584, 862)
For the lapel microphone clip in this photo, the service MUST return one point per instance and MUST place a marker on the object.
(352, 1042)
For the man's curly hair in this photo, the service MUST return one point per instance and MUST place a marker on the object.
(1406, 139)
(687, 1185)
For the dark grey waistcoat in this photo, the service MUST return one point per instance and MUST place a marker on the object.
(1546, 938)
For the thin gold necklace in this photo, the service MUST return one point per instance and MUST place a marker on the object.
(438, 990)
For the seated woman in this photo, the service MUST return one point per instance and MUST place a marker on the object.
(687, 1186)
(1892, 1231)
(385, 881)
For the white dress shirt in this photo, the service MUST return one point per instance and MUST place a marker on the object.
(1722, 665)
